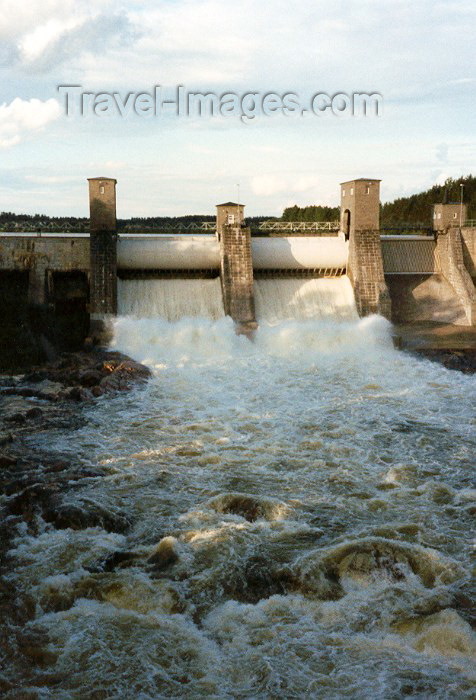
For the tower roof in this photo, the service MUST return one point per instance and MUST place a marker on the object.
(230, 204)
(361, 179)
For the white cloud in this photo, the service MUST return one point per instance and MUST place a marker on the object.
(23, 116)
(268, 185)
(36, 42)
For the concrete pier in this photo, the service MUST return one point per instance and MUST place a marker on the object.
(360, 212)
(236, 266)
(103, 257)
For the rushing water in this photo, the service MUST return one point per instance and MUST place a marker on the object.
(301, 515)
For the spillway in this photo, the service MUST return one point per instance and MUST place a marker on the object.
(170, 299)
(304, 299)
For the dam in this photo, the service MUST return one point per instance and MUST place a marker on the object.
(282, 518)
(406, 278)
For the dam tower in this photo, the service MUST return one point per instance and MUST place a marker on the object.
(360, 224)
(103, 256)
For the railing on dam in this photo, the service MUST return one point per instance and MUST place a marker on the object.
(299, 226)
(409, 255)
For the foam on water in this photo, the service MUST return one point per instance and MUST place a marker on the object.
(300, 509)
(294, 299)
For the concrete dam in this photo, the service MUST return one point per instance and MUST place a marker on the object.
(346, 269)
(173, 277)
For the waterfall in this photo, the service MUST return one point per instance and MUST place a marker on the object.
(276, 299)
(302, 299)
(170, 299)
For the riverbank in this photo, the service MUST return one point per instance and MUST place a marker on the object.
(35, 484)
(450, 345)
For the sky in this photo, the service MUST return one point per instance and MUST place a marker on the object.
(418, 55)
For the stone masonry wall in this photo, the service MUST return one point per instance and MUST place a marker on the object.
(468, 236)
(450, 249)
(365, 270)
(103, 279)
(103, 254)
(237, 274)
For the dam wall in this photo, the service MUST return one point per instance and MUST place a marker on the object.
(452, 262)
(41, 257)
(468, 240)
(61, 279)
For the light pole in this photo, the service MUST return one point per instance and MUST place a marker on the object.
(461, 206)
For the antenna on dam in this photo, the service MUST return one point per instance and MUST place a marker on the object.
(103, 257)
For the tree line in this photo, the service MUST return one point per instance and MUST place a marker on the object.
(414, 209)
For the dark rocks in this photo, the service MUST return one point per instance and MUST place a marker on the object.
(116, 560)
(90, 377)
(17, 418)
(78, 393)
(33, 413)
(6, 438)
(45, 500)
(81, 376)
(7, 461)
(123, 376)
(460, 360)
(84, 514)
(165, 555)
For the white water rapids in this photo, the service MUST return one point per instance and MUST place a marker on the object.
(300, 509)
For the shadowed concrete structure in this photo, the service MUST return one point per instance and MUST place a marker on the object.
(430, 278)
(449, 215)
(236, 266)
(103, 256)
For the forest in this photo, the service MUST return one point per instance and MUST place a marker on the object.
(415, 209)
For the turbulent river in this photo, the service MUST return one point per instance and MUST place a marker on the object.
(301, 513)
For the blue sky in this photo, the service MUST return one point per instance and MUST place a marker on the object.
(419, 55)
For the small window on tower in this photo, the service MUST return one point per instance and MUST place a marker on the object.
(455, 215)
(439, 215)
(343, 193)
(231, 219)
(367, 189)
(351, 190)
(101, 189)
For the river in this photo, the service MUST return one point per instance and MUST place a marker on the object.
(301, 512)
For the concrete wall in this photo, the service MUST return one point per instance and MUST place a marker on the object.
(420, 298)
(236, 274)
(39, 255)
(468, 237)
(450, 250)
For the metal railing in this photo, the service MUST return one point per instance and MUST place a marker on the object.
(469, 223)
(299, 226)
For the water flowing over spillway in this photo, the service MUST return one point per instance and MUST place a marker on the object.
(297, 299)
(170, 299)
(299, 509)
